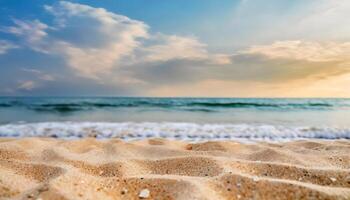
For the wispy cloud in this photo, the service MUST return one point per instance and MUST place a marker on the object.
(39, 74)
(6, 46)
(27, 85)
(174, 47)
(304, 50)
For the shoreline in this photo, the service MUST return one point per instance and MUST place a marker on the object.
(186, 131)
(48, 168)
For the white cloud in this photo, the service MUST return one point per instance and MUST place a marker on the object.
(115, 41)
(5, 46)
(304, 50)
(175, 47)
(118, 35)
(164, 48)
(33, 32)
(122, 36)
(27, 85)
(47, 77)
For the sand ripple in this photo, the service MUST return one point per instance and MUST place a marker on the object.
(41, 168)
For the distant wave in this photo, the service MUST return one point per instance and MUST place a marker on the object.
(181, 131)
(247, 104)
(70, 107)
(5, 105)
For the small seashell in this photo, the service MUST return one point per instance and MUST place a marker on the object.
(144, 193)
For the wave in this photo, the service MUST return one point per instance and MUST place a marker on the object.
(5, 105)
(71, 107)
(181, 131)
(193, 105)
(184, 106)
(273, 105)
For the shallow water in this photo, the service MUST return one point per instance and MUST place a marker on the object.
(207, 118)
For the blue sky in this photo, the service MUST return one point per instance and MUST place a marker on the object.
(243, 48)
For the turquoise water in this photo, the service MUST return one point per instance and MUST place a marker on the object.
(267, 118)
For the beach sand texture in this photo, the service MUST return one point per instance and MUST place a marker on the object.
(46, 168)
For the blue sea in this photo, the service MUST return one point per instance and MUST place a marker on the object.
(175, 118)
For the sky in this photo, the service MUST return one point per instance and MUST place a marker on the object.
(180, 48)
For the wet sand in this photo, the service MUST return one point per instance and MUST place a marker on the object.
(46, 168)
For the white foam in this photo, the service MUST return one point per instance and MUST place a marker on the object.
(181, 131)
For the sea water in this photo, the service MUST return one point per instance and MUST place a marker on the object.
(175, 118)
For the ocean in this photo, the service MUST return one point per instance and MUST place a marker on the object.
(193, 119)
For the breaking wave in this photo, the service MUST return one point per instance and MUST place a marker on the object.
(180, 131)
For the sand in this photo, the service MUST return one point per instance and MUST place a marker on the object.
(47, 168)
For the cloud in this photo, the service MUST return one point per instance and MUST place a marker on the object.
(280, 69)
(174, 47)
(303, 50)
(117, 36)
(278, 62)
(6, 46)
(120, 35)
(39, 74)
(27, 85)
(116, 51)
(261, 68)
(117, 40)
(33, 32)
(165, 48)
(296, 60)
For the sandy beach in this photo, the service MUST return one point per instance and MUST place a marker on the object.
(46, 168)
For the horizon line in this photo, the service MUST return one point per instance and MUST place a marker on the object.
(164, 97)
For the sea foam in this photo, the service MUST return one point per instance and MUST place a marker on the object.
(180, 131)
